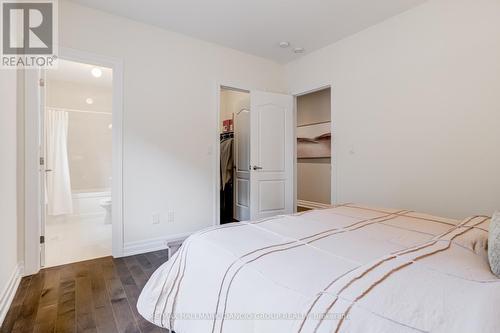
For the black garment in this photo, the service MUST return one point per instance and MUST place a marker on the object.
(226, 204)
(226, 177)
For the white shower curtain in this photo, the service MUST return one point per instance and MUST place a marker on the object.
(58, 183)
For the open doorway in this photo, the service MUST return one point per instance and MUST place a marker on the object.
(77, 130)
(254, 158)
(313, 150)
(234, 155)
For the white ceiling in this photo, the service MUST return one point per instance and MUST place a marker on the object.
(70, 71)
(257, 26)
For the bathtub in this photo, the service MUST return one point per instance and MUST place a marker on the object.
(86, 203)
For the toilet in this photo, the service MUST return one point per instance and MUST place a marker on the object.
(106, 204)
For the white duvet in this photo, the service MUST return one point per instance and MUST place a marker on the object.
(345, 269)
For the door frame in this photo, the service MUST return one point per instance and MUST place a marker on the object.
(334, 184)
(33, 218)
(215, 151)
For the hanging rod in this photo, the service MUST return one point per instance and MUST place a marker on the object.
(75, 110)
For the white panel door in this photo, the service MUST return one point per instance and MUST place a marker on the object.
(271, 154)
(242, 165)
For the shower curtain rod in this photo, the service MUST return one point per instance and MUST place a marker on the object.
(75, 110)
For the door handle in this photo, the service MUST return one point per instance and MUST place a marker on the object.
(48, 170)
(257, 167)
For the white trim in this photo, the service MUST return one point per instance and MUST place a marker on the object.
(79, 110)
(9, 292)
(117, 185)
(32, 218)
(312, 205)
(334, 162)
(311, 90)
(32, 188)
(295, 169)
(154, 244)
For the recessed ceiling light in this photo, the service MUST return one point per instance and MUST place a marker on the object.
(89, 101)
(284, 44)
(299, 50)
(96, 72)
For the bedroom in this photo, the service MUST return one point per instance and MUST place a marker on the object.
(414, 113)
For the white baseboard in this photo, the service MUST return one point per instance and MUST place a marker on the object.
(150, 245)
(312, 205)
(9, 292)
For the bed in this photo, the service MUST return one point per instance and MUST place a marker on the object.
(345, 269)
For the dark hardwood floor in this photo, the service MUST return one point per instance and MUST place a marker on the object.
(91, 296)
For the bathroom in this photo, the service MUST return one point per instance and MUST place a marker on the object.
(78, 166)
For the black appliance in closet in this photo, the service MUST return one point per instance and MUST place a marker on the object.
(226, 177)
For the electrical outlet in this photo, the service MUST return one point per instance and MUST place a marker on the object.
(171, 217)
(155, 217)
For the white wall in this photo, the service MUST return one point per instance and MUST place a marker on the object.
(416, 108)
(313, 180)
(170, 110)
(89, 135)
(65, 94)
(8, 179)
(90, 151)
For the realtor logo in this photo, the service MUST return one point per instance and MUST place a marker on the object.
(28, 33)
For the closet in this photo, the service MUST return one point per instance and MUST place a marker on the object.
(234, 154)
(314, 138)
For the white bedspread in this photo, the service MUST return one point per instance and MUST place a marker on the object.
(345, 269)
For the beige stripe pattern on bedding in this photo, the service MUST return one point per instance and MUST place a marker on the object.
(412, 261)
(347, 268)
(301, 242)
(182, 254)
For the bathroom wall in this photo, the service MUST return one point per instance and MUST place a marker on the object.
(313, 175)
(89, 134)
(66, 94)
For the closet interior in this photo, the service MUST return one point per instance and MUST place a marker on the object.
(234, 154)
(314, 152)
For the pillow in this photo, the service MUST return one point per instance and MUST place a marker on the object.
(494, 244)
